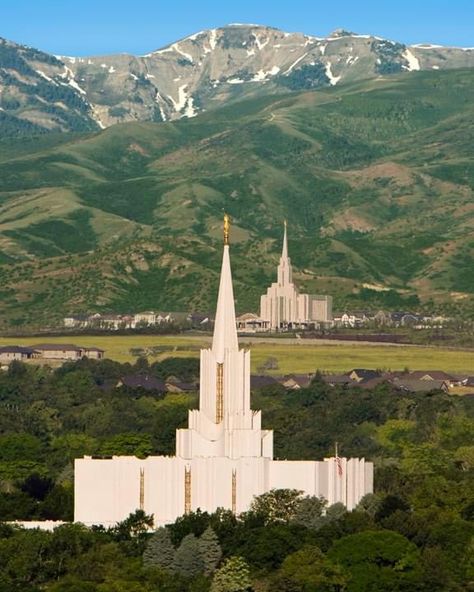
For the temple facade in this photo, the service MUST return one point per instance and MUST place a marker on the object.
(223, 458)
(283, 307)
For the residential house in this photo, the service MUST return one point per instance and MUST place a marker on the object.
(414, 385)
(145, 319)
(9, 353)
(296, 381)
(67, 351)
(249, 322)
(76, 321)
(176, 386)
(352, 320)
(336, 379)
(362, 374)
(258, 381)
(142, 381)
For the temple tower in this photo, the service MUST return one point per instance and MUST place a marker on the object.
(224, 425)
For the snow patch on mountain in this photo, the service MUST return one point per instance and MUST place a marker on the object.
(96, 118)
(333, 80)
(194, 36)
(188, 56)
(262, 75)
(413, 62)
(259, 43)
(213, 39)
(45, 76)
(68, 74)
(296, 62)
(426, 46)
(183, 99)
(190, 111)
(159, 99)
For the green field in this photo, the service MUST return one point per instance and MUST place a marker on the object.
(292, 357)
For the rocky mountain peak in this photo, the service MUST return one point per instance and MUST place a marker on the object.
(195, 74)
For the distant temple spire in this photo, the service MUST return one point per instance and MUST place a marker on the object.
(284, 252)
(225, 332)
(283, 306)
(285, 271)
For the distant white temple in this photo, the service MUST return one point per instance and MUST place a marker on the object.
(284, 307)
(223, 459)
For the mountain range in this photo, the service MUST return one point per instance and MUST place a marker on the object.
(373, 171)
(41, 92)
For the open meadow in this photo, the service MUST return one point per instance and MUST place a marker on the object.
(291, 356)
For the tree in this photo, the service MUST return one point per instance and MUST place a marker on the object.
(308, 570)
(390, 504)
(378, 561)
(210, 550)
(159, 551)
(335, 512)
(277, 505)
(310, 512)
(233, 576)
(370, 503)
(134, 526)
(187, 560)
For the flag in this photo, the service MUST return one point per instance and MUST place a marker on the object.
(339, 466)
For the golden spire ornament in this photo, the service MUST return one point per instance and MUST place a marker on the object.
(226, 229)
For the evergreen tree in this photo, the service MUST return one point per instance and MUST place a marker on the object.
(310, 512)
(187, 560)
(233, 576)
(210, 550)
(159, 551)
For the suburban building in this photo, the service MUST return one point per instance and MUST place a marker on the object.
(283, 307)
(249, 322)
(9, 353)
(67, 351)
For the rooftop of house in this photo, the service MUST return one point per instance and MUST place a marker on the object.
(336, 379)
(364, 373)
(144, 381)
(57, 347)
(64, 347)
(430, 375)
(302, 380)
(16, 349)
(261, 380)
(415, 385)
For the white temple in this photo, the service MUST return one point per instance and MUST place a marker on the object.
(284, 307)
(223, 459)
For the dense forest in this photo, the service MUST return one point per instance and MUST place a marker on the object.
(416, 533)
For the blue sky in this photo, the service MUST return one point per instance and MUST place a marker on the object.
(105, 26)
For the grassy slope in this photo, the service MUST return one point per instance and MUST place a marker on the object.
(375, 178)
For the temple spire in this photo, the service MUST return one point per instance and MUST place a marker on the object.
(285, 272)
(284, 252)
(225, 331)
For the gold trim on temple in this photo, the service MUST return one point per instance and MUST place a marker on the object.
(187, 490)
(226, 229)
(142, 489)
(220, 393)
(234, 491)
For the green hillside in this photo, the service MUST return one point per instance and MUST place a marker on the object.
(375, 178)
